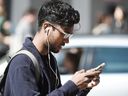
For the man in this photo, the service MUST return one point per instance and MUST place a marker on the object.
(55, 21)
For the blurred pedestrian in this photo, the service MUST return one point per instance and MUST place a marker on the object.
(104, 25)
(120, 21)
(5, 27)
(25, 28)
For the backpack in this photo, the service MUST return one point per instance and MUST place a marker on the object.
(35, 63)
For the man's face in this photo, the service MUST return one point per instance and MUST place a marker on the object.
(58, 37)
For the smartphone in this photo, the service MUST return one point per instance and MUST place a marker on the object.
(93, 70)
(100, 67)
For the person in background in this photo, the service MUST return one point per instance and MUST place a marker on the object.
(25, 28)
(5, 27)
(103, 27)
(56, 21)
(120, 25)
(2, 13)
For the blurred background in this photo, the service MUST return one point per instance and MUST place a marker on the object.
(93, 12)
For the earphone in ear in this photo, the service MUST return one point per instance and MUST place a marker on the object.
(46, 31)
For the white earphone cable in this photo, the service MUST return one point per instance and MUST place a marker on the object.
(54, 72)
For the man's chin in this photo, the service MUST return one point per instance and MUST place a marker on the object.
(56, 51)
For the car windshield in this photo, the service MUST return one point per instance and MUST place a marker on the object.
(72, 59)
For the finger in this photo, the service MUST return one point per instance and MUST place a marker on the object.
(95, 69)
(90, 85)
(81, 71)
(92, 73)
(87, 80)
(83, 86)
(96, 78)
(96, 82)
(93, 83)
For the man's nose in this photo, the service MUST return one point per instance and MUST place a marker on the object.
(66, 40)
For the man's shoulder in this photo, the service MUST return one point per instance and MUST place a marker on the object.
(20, 61)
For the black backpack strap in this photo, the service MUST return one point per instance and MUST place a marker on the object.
(2, 82)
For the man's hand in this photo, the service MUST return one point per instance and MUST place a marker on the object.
(86, 79)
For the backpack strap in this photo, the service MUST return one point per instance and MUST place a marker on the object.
(34, 60)
(3, 79)
(35, 63)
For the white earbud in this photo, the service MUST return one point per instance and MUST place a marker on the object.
(47, 31)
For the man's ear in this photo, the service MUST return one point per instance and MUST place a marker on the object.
(46, 28)
(45, 25)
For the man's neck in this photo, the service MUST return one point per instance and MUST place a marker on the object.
(40, 44)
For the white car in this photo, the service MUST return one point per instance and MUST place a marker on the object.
(94, 50)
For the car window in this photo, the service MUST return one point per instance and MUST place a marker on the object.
(69, 59)
(73, 59)
(116, 59)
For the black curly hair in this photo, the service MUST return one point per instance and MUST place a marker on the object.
(58, 12)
